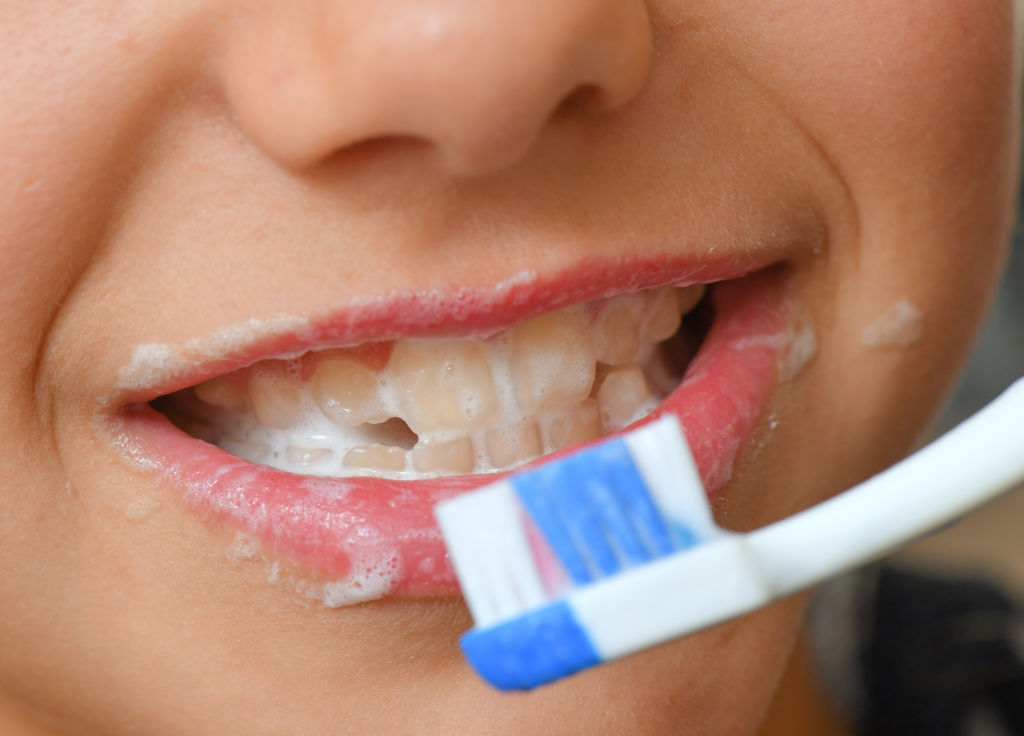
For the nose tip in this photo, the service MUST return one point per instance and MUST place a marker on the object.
(476, 81)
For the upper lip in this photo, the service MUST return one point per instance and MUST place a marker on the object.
(426, 313)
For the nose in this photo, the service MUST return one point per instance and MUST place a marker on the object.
(476, 80)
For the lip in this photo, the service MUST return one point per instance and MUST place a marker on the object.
(371, 537)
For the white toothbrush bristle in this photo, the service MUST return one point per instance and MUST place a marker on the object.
(666, 464)
(487, 542)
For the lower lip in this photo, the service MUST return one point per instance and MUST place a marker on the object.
(372, 537)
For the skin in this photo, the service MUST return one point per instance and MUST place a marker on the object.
(174, 168)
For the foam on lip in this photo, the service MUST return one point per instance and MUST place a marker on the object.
(155, 363)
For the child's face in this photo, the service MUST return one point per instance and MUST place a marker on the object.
(189, 187)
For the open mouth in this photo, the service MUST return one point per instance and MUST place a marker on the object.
(331, 459)
(418, 408)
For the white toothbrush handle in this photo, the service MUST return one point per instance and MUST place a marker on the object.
(978, 460)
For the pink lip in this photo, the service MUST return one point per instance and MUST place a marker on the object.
(377, 537)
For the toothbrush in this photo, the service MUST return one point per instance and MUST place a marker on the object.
(613, 549)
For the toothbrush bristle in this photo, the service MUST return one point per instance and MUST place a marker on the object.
(575, 520)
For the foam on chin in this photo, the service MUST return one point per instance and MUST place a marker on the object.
(420, 408)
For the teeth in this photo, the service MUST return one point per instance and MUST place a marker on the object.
(454, 456)
(513, 444)
(669, 307)
(552, 360)
(376, 457)
(574, 426)
(275, 399)
(348, 392)
(420, 407)
(442, 384)
(616, 337)
(304, 456)
(223, 392)
(254, 452)
(623, 397)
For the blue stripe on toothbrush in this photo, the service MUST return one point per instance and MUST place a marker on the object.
(631, 490)
(532, 488)
(608, 500)
(532, 649)
(593, 506)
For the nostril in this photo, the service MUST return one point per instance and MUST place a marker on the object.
(370, 151)
(584, 99)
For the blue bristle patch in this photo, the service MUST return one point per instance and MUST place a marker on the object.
(532, 649)
(684, 536)
(595, 511)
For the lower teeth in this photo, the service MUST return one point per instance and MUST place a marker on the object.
(446, 407)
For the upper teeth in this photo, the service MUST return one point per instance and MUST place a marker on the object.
(468, 405)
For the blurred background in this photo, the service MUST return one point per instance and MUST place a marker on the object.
(991, 541)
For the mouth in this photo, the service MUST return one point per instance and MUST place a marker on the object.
(331, 450)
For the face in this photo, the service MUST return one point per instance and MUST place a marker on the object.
(279, 276)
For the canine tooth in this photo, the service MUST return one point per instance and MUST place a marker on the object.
(664, 317)
(223, 392)
(275, 399)
(454, 456)
(552, 360)
(297, 455)
(616, 337)
(667, 312)
(623, 397)
(348, 392)
(513, 444)
(574, 426)
(376, 457)
(442, 384)
(689, 296)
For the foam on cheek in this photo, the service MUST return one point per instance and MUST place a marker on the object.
(898, 326)
(803, 346)
(373, 575)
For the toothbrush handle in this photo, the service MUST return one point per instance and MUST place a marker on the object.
(978, 460)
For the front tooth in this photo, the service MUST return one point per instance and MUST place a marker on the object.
(348, 392)
(667, 312)
(275, 399)
(442, 384)
(623, 397)
(224, 392)
(513, 444)
(616, 337)
(574, 426)
(376, 457)
(552, 360)
(454, 456)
